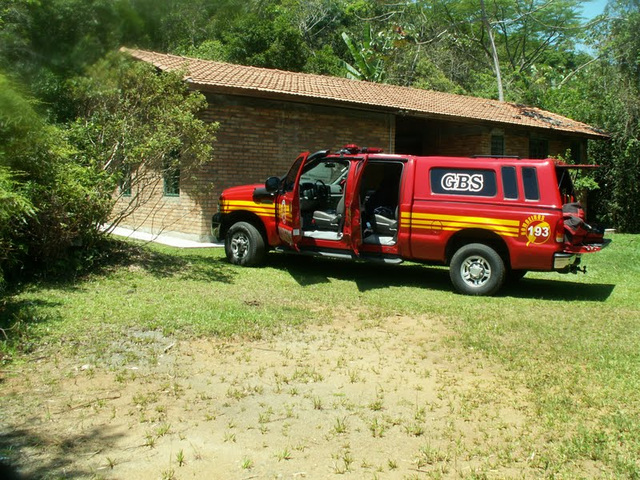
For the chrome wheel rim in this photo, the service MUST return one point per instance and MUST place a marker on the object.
(239, 245)
(475, 271)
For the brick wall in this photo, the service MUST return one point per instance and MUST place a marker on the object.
(257, 138)
(462, 141)
(154, 212)
(467, 140)
(261, 138)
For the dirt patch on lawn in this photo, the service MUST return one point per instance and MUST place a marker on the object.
(391, 399)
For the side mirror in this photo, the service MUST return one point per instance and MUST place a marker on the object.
(272, 184)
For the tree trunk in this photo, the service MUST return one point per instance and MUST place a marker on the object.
(494, 52)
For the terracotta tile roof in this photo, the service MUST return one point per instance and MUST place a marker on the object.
(239, 79)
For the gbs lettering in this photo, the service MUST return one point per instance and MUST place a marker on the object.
(462, 182)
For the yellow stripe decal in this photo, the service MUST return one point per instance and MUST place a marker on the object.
(429, 224)
(459, 218)
(264, 210)
(243, 203)
(227, 209)
(453, 223)
(259, 210)
(425, 221)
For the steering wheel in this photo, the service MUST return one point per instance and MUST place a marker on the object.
(320, 190)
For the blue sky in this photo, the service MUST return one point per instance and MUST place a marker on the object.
(592, 8)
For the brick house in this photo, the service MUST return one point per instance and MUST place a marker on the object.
(267, 117)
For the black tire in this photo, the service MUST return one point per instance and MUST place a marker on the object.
(477, 269)
(244, 245)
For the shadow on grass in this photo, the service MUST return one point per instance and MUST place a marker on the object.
(29, 455)
(195, 264)
(558, 288)
(114, 254)
(370, 276)
(367, 276)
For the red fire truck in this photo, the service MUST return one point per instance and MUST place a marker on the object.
(489, 219)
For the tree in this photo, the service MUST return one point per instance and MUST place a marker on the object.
(618, 93)
(368, 57)
(46, 42)
(137, 126)
(15, 209)
(49, 202)
(266, 37)
(493, 52)
(513, 37)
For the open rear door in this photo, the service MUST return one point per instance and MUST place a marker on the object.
(567, 175)
(579, 236)
(288, 204)
(352, 233)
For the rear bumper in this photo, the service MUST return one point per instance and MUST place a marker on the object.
(564, 262)
(568, 261)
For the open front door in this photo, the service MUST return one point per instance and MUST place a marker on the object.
(288, 204)
(353, 211)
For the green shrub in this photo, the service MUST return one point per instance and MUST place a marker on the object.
(48, 202)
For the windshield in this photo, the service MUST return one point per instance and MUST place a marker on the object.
(329, 172)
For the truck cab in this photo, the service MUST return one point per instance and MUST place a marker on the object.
(489, 219)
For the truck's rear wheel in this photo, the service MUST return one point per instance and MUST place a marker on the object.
(477, 269)
(244, 245)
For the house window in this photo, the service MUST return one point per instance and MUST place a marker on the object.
(171, 175)
(125, 181)
(538, 148)
(576, 152)
(497, 144)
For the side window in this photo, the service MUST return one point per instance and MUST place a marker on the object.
(530, 182)
(510, 183)
(125, 181)
(479, 183)
(171, 175)
(290, 179)
(497, 144)
(538, 148)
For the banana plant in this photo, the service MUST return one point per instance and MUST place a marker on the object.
(368, 58)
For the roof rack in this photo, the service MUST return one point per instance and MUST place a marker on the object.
(517, 157)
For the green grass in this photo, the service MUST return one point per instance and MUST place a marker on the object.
(572, 341)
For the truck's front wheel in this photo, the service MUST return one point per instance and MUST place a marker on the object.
(477, 269)
(244, 245)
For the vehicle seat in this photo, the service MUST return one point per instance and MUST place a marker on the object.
(328, 220)
(386, 222)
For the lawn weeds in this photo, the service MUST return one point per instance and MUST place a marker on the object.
(570, 343)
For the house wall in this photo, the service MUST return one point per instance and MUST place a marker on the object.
(257, 138)
(149, 210)
(436, 137)
(261, 138)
